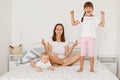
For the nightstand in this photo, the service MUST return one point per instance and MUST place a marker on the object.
(110, 62)
(13, 61)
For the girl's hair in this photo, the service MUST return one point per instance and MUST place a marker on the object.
(87, 4)
(83, 17)
(54, 34)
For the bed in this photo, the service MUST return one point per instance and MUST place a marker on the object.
(27, 72)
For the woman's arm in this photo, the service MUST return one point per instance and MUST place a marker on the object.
(69, 51)
(102, 23)
(45, 45)
(49, 47)
(74, 23)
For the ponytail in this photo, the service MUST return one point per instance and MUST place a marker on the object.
(83, 17)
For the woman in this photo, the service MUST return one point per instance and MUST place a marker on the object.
(58, 49)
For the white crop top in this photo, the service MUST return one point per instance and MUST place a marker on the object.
(59, 48)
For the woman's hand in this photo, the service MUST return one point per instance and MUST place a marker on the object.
(75, 43)
(45, 45)
(43, 42)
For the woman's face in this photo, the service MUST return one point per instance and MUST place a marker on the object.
(88, 11)
(59, 30)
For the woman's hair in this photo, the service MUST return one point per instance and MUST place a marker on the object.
(87, 4)
(54, 34)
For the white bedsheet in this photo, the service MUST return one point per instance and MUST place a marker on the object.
(26, 72)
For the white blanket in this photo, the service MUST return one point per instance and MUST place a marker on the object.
(27, 72)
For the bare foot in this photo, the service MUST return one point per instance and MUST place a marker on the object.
(80, 70)
(56, 65)
(91, 70)
(51, 68)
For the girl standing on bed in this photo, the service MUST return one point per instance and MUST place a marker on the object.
(89, 25)
(58, 49)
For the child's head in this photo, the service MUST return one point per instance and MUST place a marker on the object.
(88, 4)
(44, 57)
(88, 9)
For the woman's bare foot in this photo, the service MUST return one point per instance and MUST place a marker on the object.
(51, 68)
(56, 65)
(80, 70)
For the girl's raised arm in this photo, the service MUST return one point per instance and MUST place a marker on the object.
(102, 23)
(74, 23)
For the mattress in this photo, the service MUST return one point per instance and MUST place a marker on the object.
(27, 72)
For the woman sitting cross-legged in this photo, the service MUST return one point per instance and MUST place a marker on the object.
(58, 49)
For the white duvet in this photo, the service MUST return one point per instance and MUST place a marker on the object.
(26, 72)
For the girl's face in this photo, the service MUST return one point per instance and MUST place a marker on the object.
(59, 30)
(88, 11)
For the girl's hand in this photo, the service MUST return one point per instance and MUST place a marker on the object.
(43, 42)
(72, 12)
(39, 69)
(102, 13)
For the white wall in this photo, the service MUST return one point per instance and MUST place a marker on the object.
(35, 19)
(118, 37)
(5, 34)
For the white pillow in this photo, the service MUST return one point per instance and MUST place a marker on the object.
(30, 54)
(33, 54)
(39, 49)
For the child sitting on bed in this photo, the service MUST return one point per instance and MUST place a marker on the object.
(44, 63)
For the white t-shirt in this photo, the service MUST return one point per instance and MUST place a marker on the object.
(43, 65)
(89, 26)
(59, 48)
